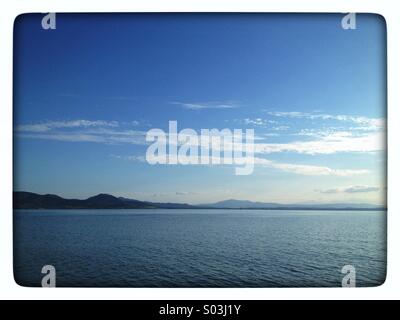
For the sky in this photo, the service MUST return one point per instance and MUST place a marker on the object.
(86, 94)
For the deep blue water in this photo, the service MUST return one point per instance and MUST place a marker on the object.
(199, 248)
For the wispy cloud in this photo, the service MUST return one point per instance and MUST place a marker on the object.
(129, 157)
(205, 105)
(47, 126)
(98, 131)
(363, 122)
(350, 189)
(256, 122)
(308, 170)
(323, 142)
(110, 137)
(67, 137)
(281, 128)
(328, 144)
(184, 193)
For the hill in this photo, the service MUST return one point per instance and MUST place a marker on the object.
(29, 200)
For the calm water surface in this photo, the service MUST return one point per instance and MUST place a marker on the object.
(201, 248)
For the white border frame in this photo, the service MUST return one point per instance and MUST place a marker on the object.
(10, 9)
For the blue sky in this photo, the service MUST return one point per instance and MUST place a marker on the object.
(314, 93)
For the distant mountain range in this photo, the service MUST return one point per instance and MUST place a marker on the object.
(245, 204)
(29, 200)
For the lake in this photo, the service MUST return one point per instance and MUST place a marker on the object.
(199, 248)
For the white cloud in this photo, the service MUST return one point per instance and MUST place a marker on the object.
(280, 128)
(366, 123)
(309, 170)
(205, 105)
(328, 144)
(47, 126)
(76, 137)
(257, 121)
(98, 131)
(184, 193)
(98, 136)
(270, 134)
(324, 142)
(130, 158)
(350, 189)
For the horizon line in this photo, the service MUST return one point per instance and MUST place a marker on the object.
(304, 203)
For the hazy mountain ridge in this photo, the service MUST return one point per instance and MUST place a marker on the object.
(29, 200)
(246, 204)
